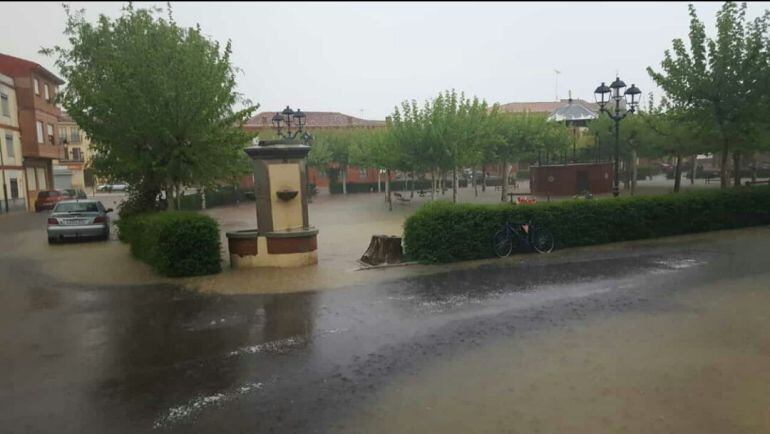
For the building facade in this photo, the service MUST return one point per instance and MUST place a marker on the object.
(12, 189)
(76, 155)
(38, 120)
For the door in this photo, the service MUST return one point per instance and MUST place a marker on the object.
(582, 182)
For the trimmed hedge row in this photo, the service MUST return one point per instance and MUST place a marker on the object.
(395, 185)
(446, 232)
(218, 197)
(174, 243)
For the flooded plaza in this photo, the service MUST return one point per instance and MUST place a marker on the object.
(664, 335)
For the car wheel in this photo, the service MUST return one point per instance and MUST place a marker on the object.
(51, 240)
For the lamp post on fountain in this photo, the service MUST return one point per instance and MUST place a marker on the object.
(617, 91)
(286, 117)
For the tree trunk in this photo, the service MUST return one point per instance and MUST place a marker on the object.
(202, 192)
(443, 183)
(411, 194)
(678, 173)
(736, 168)
(754, 167)
(693, 169)
(454, 185)
(178, 197)
(475, 182)
(625, 175)
(383, 249)
(633, 171)
(432, 185)
(724, 181)
(379, 181)
(387, 190)
(483, 178)
(345, 179)
(504, 187)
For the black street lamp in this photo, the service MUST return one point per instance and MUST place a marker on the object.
(286, 117)
(617, 91)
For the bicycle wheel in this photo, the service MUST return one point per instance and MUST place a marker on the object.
(502, 243)
(541, 240)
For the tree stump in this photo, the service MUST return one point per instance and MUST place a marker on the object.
(383, 249)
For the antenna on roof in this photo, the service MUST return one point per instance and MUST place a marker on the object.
(556, 73)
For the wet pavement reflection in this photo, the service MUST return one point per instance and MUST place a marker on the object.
(145, 358)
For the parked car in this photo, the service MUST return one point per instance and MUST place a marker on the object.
(112, 187)
(78, 219)
(48, 199)
(75, 193)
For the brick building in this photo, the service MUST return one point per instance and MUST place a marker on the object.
(315, 121)
(76, 153)
(38, 121)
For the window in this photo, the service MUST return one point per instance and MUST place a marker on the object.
(362, 172)
(5, 108)
(39, 131)
(36, 85)
(14, 188)
(47, 93)
(62, 135)
(10, 151)
(76, 155)
(75, 135)
(50, 134)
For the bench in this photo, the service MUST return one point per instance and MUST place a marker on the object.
(748, 183)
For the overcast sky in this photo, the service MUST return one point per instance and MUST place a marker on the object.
(364, 58)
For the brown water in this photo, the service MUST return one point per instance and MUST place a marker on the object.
(701, 368)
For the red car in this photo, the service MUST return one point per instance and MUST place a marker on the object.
(48, 199)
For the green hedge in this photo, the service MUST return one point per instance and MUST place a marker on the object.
(446, 232)
(174, 243)
(396, 185)
(219, 197)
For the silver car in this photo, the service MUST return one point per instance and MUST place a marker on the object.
(78, 219)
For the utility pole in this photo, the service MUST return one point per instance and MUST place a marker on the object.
(556, 73)
(5, 188)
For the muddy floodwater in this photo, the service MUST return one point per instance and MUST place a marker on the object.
(701, 367)
(655, 336)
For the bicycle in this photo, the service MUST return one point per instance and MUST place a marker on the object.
(538, 238)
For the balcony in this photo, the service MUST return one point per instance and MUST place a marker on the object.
(72, 156)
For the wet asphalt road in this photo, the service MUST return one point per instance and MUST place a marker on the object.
(159, 358)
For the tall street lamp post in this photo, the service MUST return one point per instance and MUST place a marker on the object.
(617, 91)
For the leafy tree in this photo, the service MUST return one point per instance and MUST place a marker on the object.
(722, 82)
(672, 132)
(157, 100)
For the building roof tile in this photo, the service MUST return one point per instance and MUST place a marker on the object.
(317, 120)
(15, 67)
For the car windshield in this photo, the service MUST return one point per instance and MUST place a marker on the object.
(77, 207)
